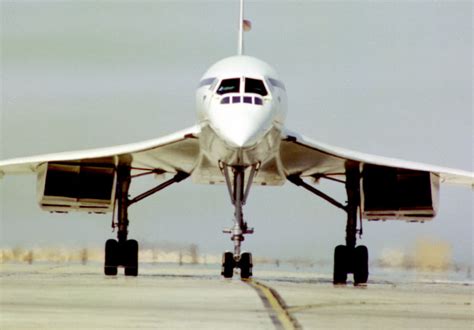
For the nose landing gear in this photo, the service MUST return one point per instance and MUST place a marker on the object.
(238, 193)
(229, 263)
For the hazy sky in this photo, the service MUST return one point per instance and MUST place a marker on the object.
(390, 78)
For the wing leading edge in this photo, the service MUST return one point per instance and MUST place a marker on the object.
(172, 153)
(385, 188)
(305, 157)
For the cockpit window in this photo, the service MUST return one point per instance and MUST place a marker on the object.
(245, 99)
(255, 86)
(206, 82)
(225, 100)
(276, 83)
(229, 86)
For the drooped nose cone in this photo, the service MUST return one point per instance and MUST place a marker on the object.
(239, 125)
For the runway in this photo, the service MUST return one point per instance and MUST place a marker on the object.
(60, 296)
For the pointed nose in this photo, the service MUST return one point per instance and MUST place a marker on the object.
(240, 126)
(240, 135)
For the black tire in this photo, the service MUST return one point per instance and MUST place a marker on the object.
(228, 264)
(131, 258)
(245, 265)
(111, 257)
(340, 264)
(361, 265)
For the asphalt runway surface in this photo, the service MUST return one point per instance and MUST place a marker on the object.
(74, 296)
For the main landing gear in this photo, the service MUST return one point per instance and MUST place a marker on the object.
(349, 258)
(238, 192)
(123, 252)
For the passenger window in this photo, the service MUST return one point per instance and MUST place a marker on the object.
(229, 86)
(248, 99)
(255, 86)
(258, 101)
(235, 99)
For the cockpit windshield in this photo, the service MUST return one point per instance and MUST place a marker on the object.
(255, 86)
(232, 85)
(229, 86)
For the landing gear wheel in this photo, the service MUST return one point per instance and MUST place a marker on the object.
(340, 264)
(131, 258)
(228, 265)
(361, 265)
(245, 264)
(111, 257)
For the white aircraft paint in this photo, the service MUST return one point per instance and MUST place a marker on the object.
(236, 134)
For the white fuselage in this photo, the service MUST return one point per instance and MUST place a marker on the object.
(241, 105)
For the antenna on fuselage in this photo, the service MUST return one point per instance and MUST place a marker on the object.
(244, 25)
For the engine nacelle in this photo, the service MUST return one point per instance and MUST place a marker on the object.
(70, 186)
(394, 193)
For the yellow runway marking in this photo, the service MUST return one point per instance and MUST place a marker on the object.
(275, 305)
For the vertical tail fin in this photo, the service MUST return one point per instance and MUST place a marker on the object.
(244, 25)
(240, 49)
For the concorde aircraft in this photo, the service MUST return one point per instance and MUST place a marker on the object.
(240, 139)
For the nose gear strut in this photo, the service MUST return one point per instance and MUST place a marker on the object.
(238, 192)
